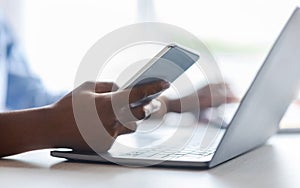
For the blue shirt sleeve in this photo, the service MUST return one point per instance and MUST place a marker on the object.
(24, 89)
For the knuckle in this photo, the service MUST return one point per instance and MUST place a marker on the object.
(138, 113)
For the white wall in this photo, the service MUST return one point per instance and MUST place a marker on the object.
(13, 11)
(57, 33)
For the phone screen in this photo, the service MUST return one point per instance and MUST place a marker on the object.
(168, 67)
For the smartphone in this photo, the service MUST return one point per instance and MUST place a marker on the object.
(168, 65)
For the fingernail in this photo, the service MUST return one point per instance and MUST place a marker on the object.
(165, 85)
(155, 104)
(152, 107)
(147, 110)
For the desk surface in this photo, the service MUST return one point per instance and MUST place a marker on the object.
(276, 164)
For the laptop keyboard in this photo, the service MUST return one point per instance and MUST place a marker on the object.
(165, 153)
(198, 148)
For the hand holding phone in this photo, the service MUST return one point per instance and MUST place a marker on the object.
(167, 65)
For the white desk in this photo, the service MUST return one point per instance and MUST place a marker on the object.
(277, 164)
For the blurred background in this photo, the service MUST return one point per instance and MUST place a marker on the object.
(55, 34)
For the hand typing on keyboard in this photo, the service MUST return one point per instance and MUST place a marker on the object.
(212, 95)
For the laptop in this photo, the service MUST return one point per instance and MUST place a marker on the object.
(256, 119)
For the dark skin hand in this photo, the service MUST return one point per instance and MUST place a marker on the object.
(212, 95)
(55, 125)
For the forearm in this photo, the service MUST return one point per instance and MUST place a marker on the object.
(26, 130)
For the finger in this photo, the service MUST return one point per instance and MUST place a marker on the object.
(102, 87)
(127, 114)
(152, 107)
(230, 97)
(127, 128)
(139, 113)
(222, 94)
(99, 87)
(232, 100)
(140, 92)
(297, 102)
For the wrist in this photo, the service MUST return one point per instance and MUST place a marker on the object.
(50, 130)
(67, 134)
(61, 122)
(38, 128)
